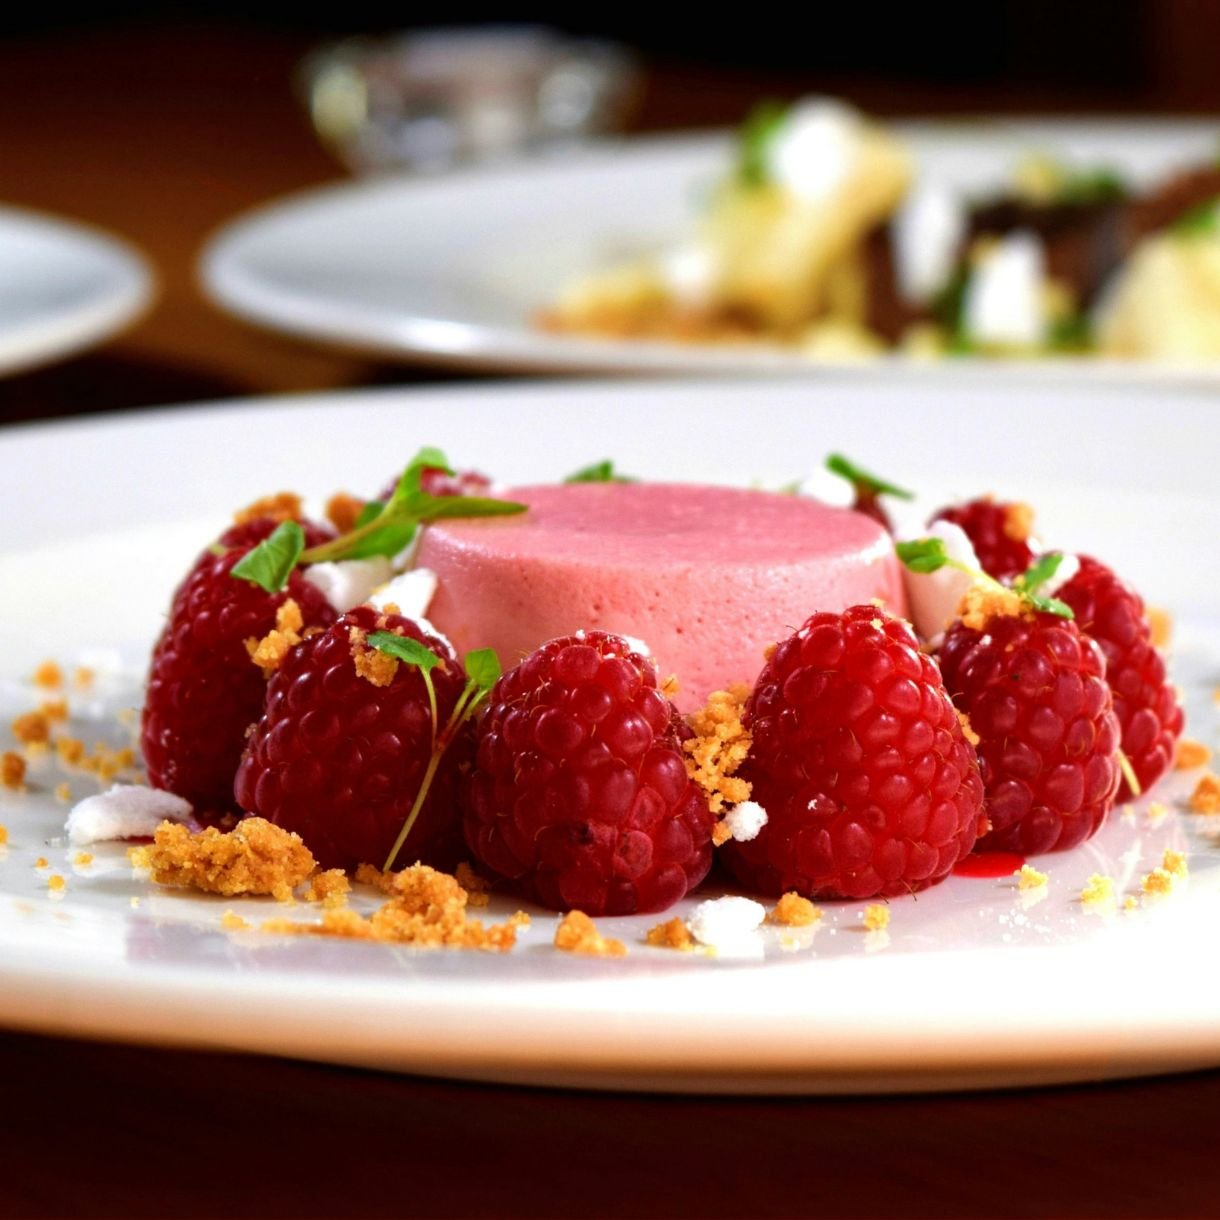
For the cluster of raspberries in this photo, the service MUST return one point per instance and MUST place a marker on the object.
(880, 766)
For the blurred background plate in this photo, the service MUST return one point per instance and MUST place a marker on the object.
(452, 270)
(63, 288)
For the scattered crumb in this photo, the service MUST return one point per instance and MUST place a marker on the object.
(426, 908)
(255, 857)
(726, 923)
(967, 732)
(134, 902)
(279, 506)
(83, 677)
(70, 750)
(718, 748)
(42, 862)
(3, 835)
(672, 934)
(343, 510)
(63, 792)
(669, 687)
(56, 884)
(372, 664)
(12, 771)
(477, 888)
(1098, 891)
(982, 602)
(876, 917)
(1018, 521)
(1131, 903)
(1156, 813)
(1191, 753)
(577, 933)
(1029, 878)
(232, 922)
(1160, 626)
(794, 911)
(54, 709)
(82, 859)
(1174, 863)
(1159, 881)
(49, 675)
(330, 888)
(270, 651)
(32, 728)
(1206, 796)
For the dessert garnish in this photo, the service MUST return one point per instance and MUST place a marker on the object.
(599, 472)
(868, 488)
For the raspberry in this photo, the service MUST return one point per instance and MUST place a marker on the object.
(204, 692)
(859, 758)
(437, 481)
(1034, 689)
(999, 533)
(1146, 703)
(580, 793)
(340, 760)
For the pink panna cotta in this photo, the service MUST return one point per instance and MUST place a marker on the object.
(707, 577)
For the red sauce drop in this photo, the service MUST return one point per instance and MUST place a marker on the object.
(989, 864)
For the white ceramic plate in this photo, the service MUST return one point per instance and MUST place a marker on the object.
(972, 988)
(63, 288)
(452, 269)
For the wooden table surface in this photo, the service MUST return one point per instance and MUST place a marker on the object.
(161, 137)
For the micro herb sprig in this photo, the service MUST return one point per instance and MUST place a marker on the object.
(599, 472)
(381, 529)
(863, 481)
(754, 141)
(926, 555)
(482, 671)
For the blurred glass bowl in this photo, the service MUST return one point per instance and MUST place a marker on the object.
(431, 99)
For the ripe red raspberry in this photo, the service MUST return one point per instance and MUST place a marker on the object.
(1034, 689)
(340, 760)
(999, 533)
(580, 793)
(1146, 704)
(204, 692)
(859, 759)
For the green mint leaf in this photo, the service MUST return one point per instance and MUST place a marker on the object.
(1039, 572)
(1203, 220)
(270, 564)
(428, 458)
(836, 463)
(1051, 605)
(437, 508)
(483, 668)
(1086, 187)
(598, 472)
(370, 512)
(923, 555)
(405, 649)
(754, 142)
(388, 540)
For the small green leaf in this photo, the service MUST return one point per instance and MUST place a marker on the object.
(1039, 572)
(438, 508)
(409, 483)
(483, 668)
(1086, 187)
(836, 463)
(1203, 220)
(270, 564)
(754, 142)
(598, 472)
(388, 541)
(405, 649)
(923, 555)
(1050, 605)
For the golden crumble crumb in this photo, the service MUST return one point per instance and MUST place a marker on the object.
(54, 709)
(669, 687)
(63, 792)
(1131, 903)
(967, 732)
(876, 917)
(82, 859)
(255, 857)
(12, 771)
(343, 511)
(1029, 878)
(139, 858)
(83, 677)
(1018, 521)
(56, 884)
(270, 651)
(1098, 891)
(721, 833)
(49, 675)
(719, 747)
(71, 750)
(1156, 813)
(982, 602)
(794, 911)
(42, 862)
(478, 889)
(232, 922)
(3, 835)
(672, 934)
(330, 888)
(1206, 796)
(1160, 626)
(31, 728)
(1174, 863)
(426, 908)
(1191, 753)
(279, 506)
(372, 664)
(577, 933)
(1159, 881)
(770, 651)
